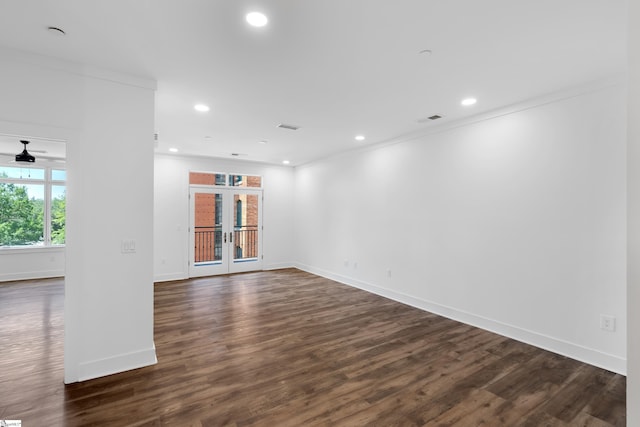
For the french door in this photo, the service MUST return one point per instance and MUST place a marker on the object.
(225, 234)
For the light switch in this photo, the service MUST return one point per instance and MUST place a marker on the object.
(128, 246)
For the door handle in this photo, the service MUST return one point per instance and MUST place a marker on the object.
(225, 237)
(230, 236)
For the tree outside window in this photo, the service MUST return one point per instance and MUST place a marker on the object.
(27, 197)
(58, 209)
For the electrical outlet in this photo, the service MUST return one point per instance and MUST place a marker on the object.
(607, 323)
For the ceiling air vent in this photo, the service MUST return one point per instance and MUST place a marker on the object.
(290, 127)
(430, 118)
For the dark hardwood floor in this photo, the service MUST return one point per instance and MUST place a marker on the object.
(286, 348)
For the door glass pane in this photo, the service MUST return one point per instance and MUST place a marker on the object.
(208, 228)
(203, 178)
(245, 181)
(245, 227)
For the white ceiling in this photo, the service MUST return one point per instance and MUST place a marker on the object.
(336, 68)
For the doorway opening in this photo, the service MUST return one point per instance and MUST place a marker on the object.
(32, 207)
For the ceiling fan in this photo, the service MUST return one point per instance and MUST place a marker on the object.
(25, 156)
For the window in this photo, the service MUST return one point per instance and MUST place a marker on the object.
(220, 179)
(205, 178)
(32, 206)
(245, 181)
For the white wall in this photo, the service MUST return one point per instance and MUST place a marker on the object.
(107, 121)
(31, 263)
(171, 217)
(514, 223)
(633, 182)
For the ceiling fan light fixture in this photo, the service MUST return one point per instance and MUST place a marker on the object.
(25, 156)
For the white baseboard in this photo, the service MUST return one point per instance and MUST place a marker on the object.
(575, 351)
(278, 266)
(183, 276)
(170, 277)
(29, 275)
(115, 364)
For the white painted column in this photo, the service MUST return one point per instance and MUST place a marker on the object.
(109, 271)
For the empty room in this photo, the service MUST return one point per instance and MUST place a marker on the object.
(296, 213)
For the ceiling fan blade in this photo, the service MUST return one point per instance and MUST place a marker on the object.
(51, 158)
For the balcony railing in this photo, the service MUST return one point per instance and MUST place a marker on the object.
(245, 242)
(208, 243)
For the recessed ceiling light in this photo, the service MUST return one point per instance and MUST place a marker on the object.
(173, 150)
(285, 162)
(262, 141)
(360, 138)
(426, 52)
(256, 19)
(201, 107)
(468, 101)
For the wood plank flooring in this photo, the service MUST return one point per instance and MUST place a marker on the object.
(286, 348)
